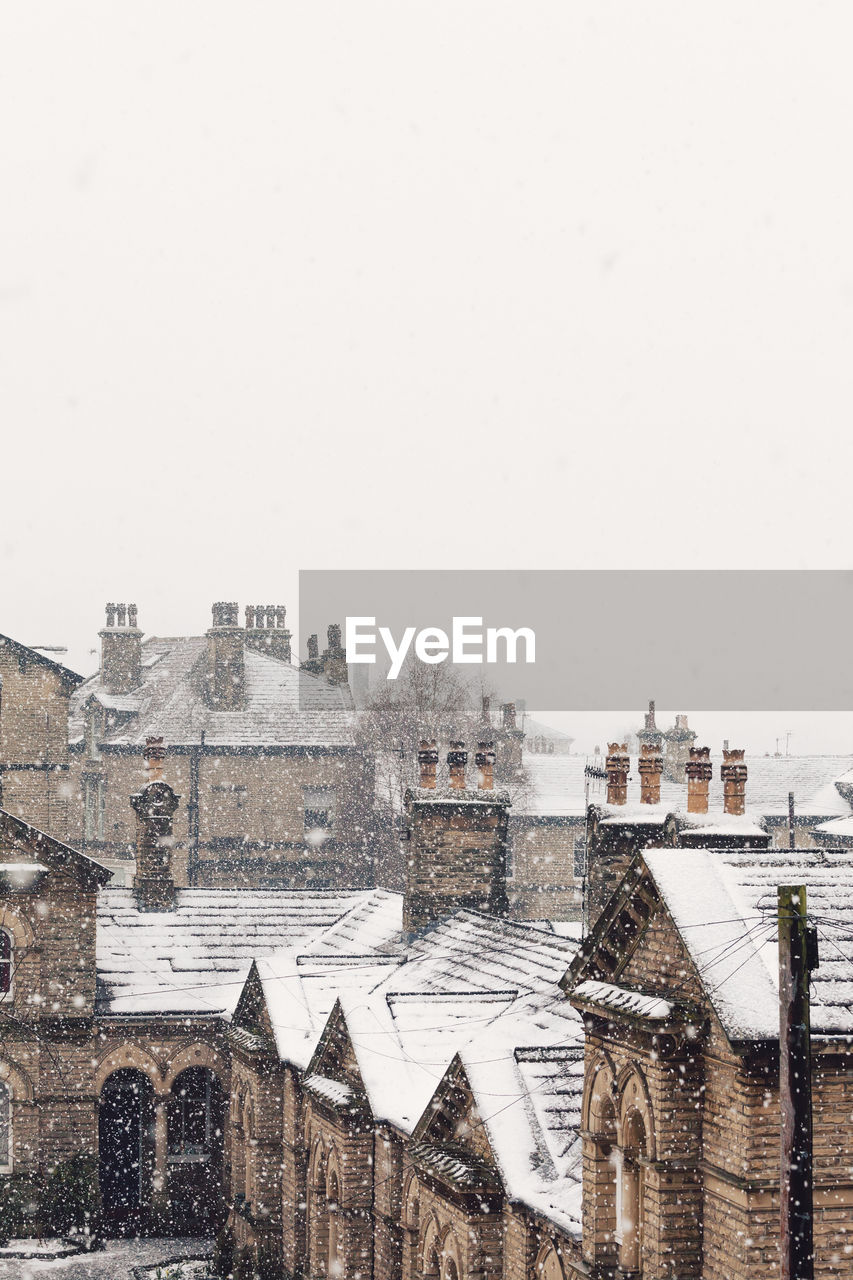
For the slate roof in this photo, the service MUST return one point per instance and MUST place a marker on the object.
(285, 707)
(723, 903)
(195, 959)
(557, 787)
(480, 988)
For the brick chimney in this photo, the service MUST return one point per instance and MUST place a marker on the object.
(650, 766)
(154, 806)
(733, 774)
(335, 658)
(698, 770)
(225, 682)
(121, 650)
(485, 762)
(456, 840)
(510, 741)
(616, 767)
(457, 758)
(266, 631)
(427, 762)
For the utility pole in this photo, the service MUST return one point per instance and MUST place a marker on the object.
(797, 956)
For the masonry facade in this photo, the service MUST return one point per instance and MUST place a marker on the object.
(261, 751)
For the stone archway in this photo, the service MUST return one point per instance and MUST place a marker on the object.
(195, 1150)
(126, 1148)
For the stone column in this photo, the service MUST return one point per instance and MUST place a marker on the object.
(160, 1188)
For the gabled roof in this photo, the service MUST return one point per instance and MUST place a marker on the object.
(482, 988)
(723, 904)
(285, 706)
(24, 651)
(52, 851)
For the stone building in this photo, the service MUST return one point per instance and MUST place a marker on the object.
(680, 1120)
(35, 779)
(262, 752)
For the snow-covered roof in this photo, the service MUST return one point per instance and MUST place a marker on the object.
(195, 959)
(723, 903)
(556, 787)
(622, 998)
(284, 706)
(483, 988)
(31, 655)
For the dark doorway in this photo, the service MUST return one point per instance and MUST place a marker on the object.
(126, 1147)
(196, 1116)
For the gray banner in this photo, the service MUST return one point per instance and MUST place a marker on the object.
(602, 640)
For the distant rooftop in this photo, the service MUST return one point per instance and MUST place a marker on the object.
(284, 705)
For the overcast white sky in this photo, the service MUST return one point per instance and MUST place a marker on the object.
(404, 284)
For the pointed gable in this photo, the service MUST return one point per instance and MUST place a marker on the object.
(333, 1078)
(450, 1145)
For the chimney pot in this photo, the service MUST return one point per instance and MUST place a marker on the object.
(269, 614)
(250, 617)
(154, 754)
(280, 616)
(313, 648)
(733, 773)
(121, 611)
(698, 770)
(485, 762)
(457, 758)
(508, 715)
(650, 766)
(132, 615)
(427, 762)
(111, 615)
(616, 766)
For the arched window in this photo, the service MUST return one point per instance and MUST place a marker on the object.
(6, 956)
(333, 1192)
(5, 1129)
(629, 1193)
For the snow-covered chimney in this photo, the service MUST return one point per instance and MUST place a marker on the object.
(457, 758)
(266, 631)
(456, 844)
(427, 762)
(733, 774)
(650, 766)
(121, 650)
(616, 766)
(698, 770)
(225, 685)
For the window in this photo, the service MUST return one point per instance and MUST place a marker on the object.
(93, 808)
(189, 1116)
(318, 804)
(6, 947)
(5, 1129)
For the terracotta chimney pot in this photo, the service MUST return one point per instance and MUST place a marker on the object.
(616, 766)
(427, 762)
(698, 770)
(485, 762)
(733, 774)
(650, 767)
(457, 758)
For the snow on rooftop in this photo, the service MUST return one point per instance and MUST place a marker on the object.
(195, 959)
(483, 987)
(284, 705)
(614, 997)
(723, 903)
